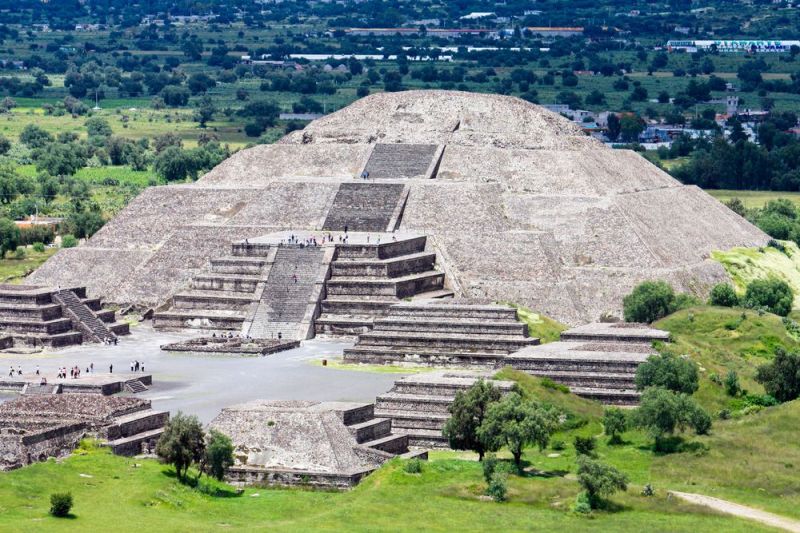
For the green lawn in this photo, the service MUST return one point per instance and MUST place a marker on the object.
(14, 270)
(752, 199)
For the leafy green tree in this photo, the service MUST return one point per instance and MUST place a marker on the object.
(599, 480)
(585, 445)
(182, 443)
(5, 145)
(631, 126)
(732, 387)
(175, 164)
(60, 159)
(517, 422)
(649, 301)
(614, 128)
(218, 454)
(85, 223)
(467, 413)
(669, 371)
(723, 295)
(615, 423)
(9, 236)
(661, 412)
(69, 241)
(781, 377)
(34, 137)
(205, 111)
(98, 127)
(772, 294)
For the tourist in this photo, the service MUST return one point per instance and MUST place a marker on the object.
(43, 381)
(142, 366)
(19, 370)
(137, 366)
(37, 370)
(345, 229)
(91, 367)
(111, 368)
(116, 340)
(131, 366)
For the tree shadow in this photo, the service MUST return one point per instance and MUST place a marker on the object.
(609, 506)
(215, 491)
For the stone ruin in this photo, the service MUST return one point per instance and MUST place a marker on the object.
(34, 428)
(316, 444)
(513, 201)
(37, 316)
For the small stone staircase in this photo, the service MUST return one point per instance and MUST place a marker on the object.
(363, 206)
(375, 433)
(129, 433)
(35, 389)
(400, 161)
(367, 279)
(82, 317)
(135, 386)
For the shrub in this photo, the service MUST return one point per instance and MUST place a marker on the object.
(668, 371)
(732, 387)
(498, 486)
(69, 241)
(614, 424)
(558, 445)
(723, 295)
(552, 385)
(585, 445)
(599, 480)
(648, 490)
(781, 377)
(60, 504)
(582, 504)
(490, 463)
(771, 294)
(648, 302)
(20, 252)
(413, 466)
(38, 247)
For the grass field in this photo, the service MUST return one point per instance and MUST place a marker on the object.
(14, 270)
(752, 199)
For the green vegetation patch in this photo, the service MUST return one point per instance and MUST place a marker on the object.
(744, 265)
(539, 325)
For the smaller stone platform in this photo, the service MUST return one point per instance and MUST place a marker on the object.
(231, 346)
(317, 444)
(33, 428)
(419, 405)
(596, 361)
(101, 383)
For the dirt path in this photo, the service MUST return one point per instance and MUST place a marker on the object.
(741, 511)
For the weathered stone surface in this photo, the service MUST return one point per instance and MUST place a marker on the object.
(523, 208)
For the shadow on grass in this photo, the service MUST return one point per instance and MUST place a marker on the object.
(202, 485)
(674, 444)
(68, 516)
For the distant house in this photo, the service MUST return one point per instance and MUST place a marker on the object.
(547, 31)
(38, 221)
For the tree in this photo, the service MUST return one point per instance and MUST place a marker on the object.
(781, 377)
(218, 454)
(5, 145)
(467, 413)
(666, 370)
(599, 480)
(517, 422)
(9, 236)
(723, 295)
(59, 159)
(175, 164)
(205, 111)
(34, 137)
(613, 127)
(615, 423)
(630, 126)
(649, 301)
(661, 412)
(182, 443)
(98, 127)
(772, 294)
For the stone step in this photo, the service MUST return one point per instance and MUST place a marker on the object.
(450, 325)
(238, 265)
(395, 444)
(133, 445)
(357, 413)
(399, 287)
(624, 380)
(108, 316)
(385, 250)
(136, 423)
(25, 325)
(56, 340)
(447, 388)
(413, 340)
(95, 304)
(341, 325)
(226, 282)
(454, 310)
(575, 364)
(402, 419)
(363, 206)
(424, 438)
(199, 319)
(120, 328)
(24, 296)
(371, 429)
(400, 161)
(30, 311)
(386, 268)
(357, 305)
(403, 355)
(415, 454)
(413, 402)
(135, 386)
(438, 294)
(197, 299)
(608, 396)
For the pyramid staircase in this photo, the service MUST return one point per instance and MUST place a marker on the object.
(375, 433)
(132, 432)
(401, 161)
